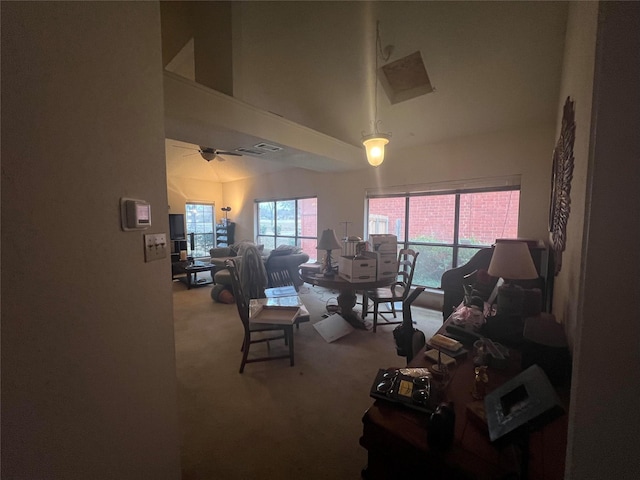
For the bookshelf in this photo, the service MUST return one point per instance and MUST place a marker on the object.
(225, 234)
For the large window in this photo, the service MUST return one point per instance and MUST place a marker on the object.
(446, 228)
(200, 223)
(289, 222)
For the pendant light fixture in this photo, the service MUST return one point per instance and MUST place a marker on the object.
(375, 142)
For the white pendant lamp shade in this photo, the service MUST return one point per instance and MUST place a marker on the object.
(374, 145)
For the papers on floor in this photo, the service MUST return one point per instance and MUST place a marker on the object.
(333, 327)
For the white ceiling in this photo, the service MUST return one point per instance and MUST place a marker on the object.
(495, 65)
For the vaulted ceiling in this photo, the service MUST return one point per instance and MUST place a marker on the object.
(494, 66)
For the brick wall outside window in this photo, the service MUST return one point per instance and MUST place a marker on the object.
(483, 217)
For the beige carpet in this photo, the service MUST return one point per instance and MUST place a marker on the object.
(275, 421)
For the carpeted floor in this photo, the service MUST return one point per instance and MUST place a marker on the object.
(275, 421)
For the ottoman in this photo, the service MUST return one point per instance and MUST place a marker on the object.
(222, 280)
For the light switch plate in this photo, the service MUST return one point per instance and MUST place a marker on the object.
(155, 246)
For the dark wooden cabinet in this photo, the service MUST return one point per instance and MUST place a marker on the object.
(225, 234)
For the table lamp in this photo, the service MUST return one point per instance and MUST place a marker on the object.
(328, 241)
(511, 260)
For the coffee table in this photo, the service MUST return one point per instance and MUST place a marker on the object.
(347, 296)
(194, 268)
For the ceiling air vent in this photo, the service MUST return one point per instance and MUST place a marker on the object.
(268, 147)
(405, 78)
(249, 151)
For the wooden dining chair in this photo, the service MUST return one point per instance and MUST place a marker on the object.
(280, 278)
(257, 332)
(396, 292)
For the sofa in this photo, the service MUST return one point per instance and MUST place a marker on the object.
(284, 257)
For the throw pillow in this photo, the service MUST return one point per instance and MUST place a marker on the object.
(240, 247)
(286, 250)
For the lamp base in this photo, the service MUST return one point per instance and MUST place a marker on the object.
(327, 267)
(510, 300)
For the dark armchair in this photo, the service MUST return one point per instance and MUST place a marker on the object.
(453, 281)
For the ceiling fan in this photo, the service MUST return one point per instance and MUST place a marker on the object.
(210, 153)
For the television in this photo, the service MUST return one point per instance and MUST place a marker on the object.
(176, 226)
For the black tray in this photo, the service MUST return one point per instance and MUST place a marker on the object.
(417, 393)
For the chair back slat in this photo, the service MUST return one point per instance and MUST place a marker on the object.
(280, 278)
(242, 301)
(407, 259)
(397, 292)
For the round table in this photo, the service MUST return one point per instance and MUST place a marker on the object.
(347, 296)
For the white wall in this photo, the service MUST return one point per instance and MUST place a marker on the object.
(341, 197)
(604, 431)
(88, 365)
(183, 190)
(577, 83)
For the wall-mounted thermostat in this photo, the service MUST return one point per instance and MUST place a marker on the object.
(134, 214)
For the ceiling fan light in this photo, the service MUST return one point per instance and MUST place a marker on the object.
(374, 146)
(208, 156)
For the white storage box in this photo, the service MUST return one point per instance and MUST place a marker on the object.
(357, 269)
(386, 264)
(384, 242)
(351, 248)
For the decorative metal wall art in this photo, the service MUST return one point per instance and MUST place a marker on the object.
(561, 176)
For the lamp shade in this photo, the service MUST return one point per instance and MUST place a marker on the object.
(512, 260)
(328, 240)
(374, 145)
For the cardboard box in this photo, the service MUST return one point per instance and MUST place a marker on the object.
(386, 264)
(357, 269)
(383, 242)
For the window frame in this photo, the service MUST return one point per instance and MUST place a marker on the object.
(193, 235)
(296, 237)
(455, 245)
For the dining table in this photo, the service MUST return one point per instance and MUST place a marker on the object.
(347, 298)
